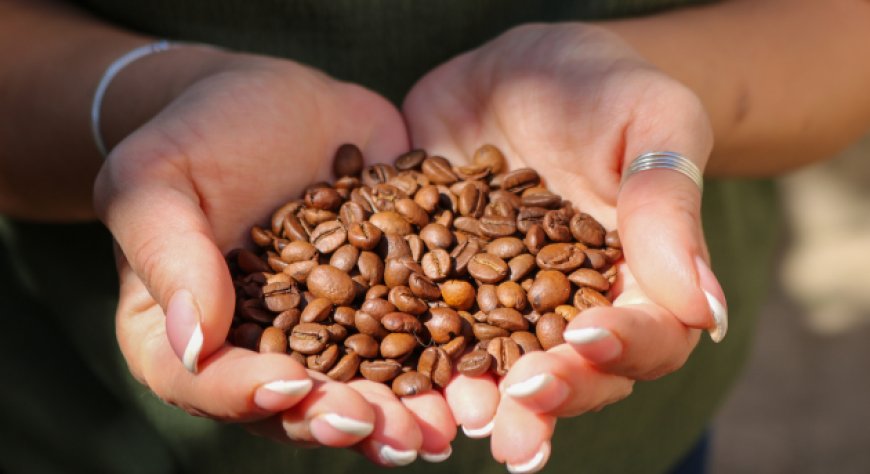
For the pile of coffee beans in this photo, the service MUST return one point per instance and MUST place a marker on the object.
(404, 273)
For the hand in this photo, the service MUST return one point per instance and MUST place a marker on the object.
(185, 188)
(577, 104)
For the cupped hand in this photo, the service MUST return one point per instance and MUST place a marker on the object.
(578, 105)
(185, 188)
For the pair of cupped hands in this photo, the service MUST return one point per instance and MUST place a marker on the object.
(572, 101)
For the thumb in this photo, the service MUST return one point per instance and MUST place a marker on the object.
(156, 218)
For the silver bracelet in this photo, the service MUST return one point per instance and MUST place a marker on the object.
(110, 74)
(667, 160)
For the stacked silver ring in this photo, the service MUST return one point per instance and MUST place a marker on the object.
(668, 160)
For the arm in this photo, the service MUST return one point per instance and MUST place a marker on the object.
(784, 81)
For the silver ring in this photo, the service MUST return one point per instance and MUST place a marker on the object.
(667, 160)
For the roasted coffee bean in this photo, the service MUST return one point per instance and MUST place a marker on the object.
(412, 212)
(567, 312)
(294, 229)
(323, 198)
(487, 298)
(262, 237)
(511, 295)
(344, 258)
(350, 213)
(398, 270)
(508, 319)
(563, 257)
(346, 367)
(377, 307)
(252, 310)
(612, 255)
(556, 226)
(541, 197)
(490, 157)
(384, 197)
(611, 239)
(436, 236)
(397, 345)
(587, 277)
(247, 335)
(527, 341)
(505, 247)
(249, 262)
(549, 329)
(468, 225)
(326, 281)
(415, 244)
(472, 201)
(422, 287)
(363, 344)
(298, 251)
(337, 332)
(377, 291)
(587, 230)
(436, 264)
(364, 235)
(519, 180)
(278, 278)
(324, 361)
(487, 268)
(348, 161)
(504, 352)
(371, 268)
(472, 173)
(455, 347)
(345, 184)
(410, 160)
(529, 216)
(427, 197)
(438, 170)
(401, 322)
(279, 215)
(309, 338)
(435, 364)
(318, 310)
(299, 271)
(377, 174)
(313, 216)
(458, 294)
(273, 340)
(390, 222)
(411, 383)
(484, 331)
(474, 363)
(328, 236)
(370, 325)
(520, 266)
(462, 255)
(550, 289)
(443, 324)
(286, 320)
(403, 298)
(588, 298)
(380, 370)
(497, 226)
(595, 258)
(275, 262)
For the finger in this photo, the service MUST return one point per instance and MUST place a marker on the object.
(233, 384)
(473, 402)
(333, 414)
(560, 382)
(433, 416)
(521, 438)
(396, 438)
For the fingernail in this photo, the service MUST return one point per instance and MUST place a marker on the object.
(437, 457)
(481, 432)
(596, 344)
(530, 386)
(581, 336)
(183, 329)
(532, 465)
(395, 457)
(273, 396)
(348, 425)
(715, 299)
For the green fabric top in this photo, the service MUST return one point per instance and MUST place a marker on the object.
(70, 404)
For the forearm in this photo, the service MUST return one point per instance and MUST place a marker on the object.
(785, 81)
(51, 59)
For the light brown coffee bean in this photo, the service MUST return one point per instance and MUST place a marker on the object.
(474, 363)
(611, 239)
(322, 197)
(511, 295)
(563, 257)
(370, 325)
(286, 320)
(411, 383)
(529, 216)
(401, 322)
(281, 213)
(487, 268)
(505, 352)
(363, 344)
(505, 247)
(435, 364)
(337, 332)
(436, 236)
(326, 281)
(281, 296)
(410, 160)
(299, 271)
(346, 367)
(497, 226)
(350, 213)
(415, 244)
(587, 230)
(380, 370)
(518, 180)
(273, 340)
(443, 324)
(324, 361)
(458, 294)
(541, 197)
(484, 331)
(412, 212)
(490, 157)
(587, 277)
(472, 201)
(527, 341)
(371, 268)
(487, 298)
(438, 170)
(462, 255)
(318, 310)
(427, 197)
(364, 235)
(261, 236)
(398, 270)
(508, 319)
(403, 299)
(423, 287)
(567, 312)
(455, 347)
(595, 258)
(391, 222)
(436, 265)
(344, 258)
(328, 236)
(397, 345)
(468, 225)
(348, 161)
(550, 289)
(377, 174)
(588, 298)
(521, 266)
(298, 251)
(377, 307)
(549, 330)
(555, 225)
(309, 338)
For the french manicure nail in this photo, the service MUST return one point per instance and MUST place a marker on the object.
(279, 395)
(532, 465)
(348, 425)
(396, 457)
(481, 432)
(720, 315)
(715, 299)
(289, 387)
(184, 329)
(437, 457)
(581, 336)
(530, 386)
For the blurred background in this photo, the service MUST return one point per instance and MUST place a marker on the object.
(803, 404)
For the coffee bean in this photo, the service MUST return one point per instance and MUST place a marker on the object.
(518, 180)
(436, 236)
(487, 298)
(458, 294)
(443, 324)
(403, 299)
(281, 213)
(549, 329)
(364, 235)
(299, 271)
(344, 258)
(323, 361)
(415, 244)
(410, 160)
(462, 255)
(562, 256)
(377, 174)
(567, 312)
(318, 310)
(286, 320)
(588, 298)
(348, 161)
(587, 277)
(394, 246)
(556, 226)
(422, 287)
(611, 239)
(438, 170)
(529, 216)
(472, 201)
(346, 367)
(377, 291)
(435, 364)
(397, 345)
(541, 197)
(595, 258)
(490, 157)
(550, 289)
(511, 295)
(328, 236)
(412, 212)
(326, 281)
(587, 230)
(273, 340)
(350, 213)
(371, 267)
(411, 383)
(390, 222)
(428, 197)
(487, 268)
(497, 226)
(469, 225)
(436, 264)
(508, 319)
(401, 322)
(337, 332)
(298, 251)
(380, 370)
(311, 216)
(398, 270)
(369, 325)
(249, 262)
(363, 344)
(505, 247)
(527, 341)
(324, 198)
(455, 347)
(520, 266)
(504, 352)
(377, 307)
(475, 363)
(262, 237)
(484, 331)
(309, 338)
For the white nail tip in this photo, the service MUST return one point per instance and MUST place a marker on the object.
(530, 386)
(395, 457)
(582, 336)
(348, 425)
(289, 387)
(720, 315)
(437, 457)
(532, 465)
(190, 359)
(482, 432)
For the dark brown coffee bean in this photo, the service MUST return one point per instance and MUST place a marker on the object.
(364, 235)
(252, 310)
(403, 299)
(261, 236)
(363, 344)
(505, 352)
(424, 288)
(298, 251)
(487, 298)
(377, 307)
(587, 230)
(487, 268)
(549, 330)
(397, 345)
(377, 174)
(587, 277)
(520, 266)
(529, 216)
(411, 383)
(506, 247)
(497, 226)
(595, 258)
(344, 258)
(371, 268)
(249, 262)
(550, 289)
(370, 325)
(443, 324)
(438, 170)
(475, 363)
(286, 320)
(391, 222)
(490, 157)
(507, 318)
(299, 271)
(323, 198)
(416, 245)
(455, 347)
(324, 361)
(588, 298)
(247, 335)
(401, 322)
(346, 367)
(518, 180)
(484, 331)
(541, 197)
(326, 281)
(556, 226)
(563, 257)
(348, 161)
(458, 294)
(273, 339)
(435, 364)
(511, 295)
(436, 264)
(309, 338)
(527, 341)
(318, 310)
(412, 212)
(611, 239)
(328, 236)
(472, 201)
(462, 255)
(410, 160)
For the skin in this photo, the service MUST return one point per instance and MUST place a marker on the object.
(180, 121)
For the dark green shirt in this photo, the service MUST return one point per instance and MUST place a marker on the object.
(69, 404)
